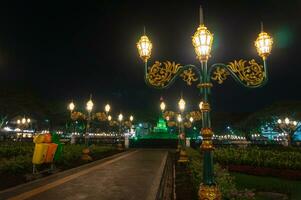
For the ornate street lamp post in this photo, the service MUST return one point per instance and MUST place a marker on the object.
(180, 119)
(76, 115)
(248, 73)
(121, 123)
(288, 127)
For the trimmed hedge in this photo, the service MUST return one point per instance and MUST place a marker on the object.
(279, 158)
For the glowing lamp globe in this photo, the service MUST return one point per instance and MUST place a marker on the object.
(202, 42)
(162, 106)
(264, 44)
(286, 120)
(89, 105)
(181, 104)
(179, 118)
(120, 117)
(201, 105)
(279, 121)
(144, 47)
(109, 117)
(107, 108)
(71, 106)
(191, 119)
(28, 120)
(131, 118)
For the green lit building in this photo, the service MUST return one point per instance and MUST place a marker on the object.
(161, 126)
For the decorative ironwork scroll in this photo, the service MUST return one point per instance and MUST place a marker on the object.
(162, 75)
(249, 73)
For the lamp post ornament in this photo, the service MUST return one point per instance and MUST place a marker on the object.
(248, 73)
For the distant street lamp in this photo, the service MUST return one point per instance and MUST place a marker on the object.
(120, 122)
(181, 120)
(23, 123)
(288, 127)
(248, 73)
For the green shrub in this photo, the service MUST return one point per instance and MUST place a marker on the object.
(16, 165)
(224, 180)
(285, 158)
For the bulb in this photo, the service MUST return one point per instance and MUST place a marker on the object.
(71, 106)
(181, 105)
(107, 108)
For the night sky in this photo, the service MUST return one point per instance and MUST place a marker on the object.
(67, 50)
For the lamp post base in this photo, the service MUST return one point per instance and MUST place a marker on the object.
(86, 156)
(183, 156)
(207, 192)
(120, 147)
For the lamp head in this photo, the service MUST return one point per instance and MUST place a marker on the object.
(144, 46)
(202, 42)
(179, 118)
(107, 108)
(89, 105)
(162, 106)
(181, 104)
(71, 106)
(120, 117)
(263, 44)
(286, 120)
(201, 105)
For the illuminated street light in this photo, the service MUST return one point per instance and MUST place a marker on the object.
(120, 117)
(191, 119)
(131, 118)
(109, 117)
(248, 73)
(202, 42)
(89, 105)
(28, 120)
(144, 47)
(71, 106)
(107, 108)
(162, 106)
(288, 127)
(23, 120)
(201, 105)
(263, 44)
(179, 118)
(18, 121)
(286, 120)
(181, 104)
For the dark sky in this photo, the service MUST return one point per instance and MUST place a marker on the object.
(66, 50)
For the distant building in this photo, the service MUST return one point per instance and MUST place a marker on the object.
(161, 126)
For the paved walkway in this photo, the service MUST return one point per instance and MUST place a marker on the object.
(130, 176)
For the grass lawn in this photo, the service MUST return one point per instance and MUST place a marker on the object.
(268, 184)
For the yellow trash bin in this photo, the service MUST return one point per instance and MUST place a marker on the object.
(40, 152)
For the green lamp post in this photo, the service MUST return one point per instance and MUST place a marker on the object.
(248, 73)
